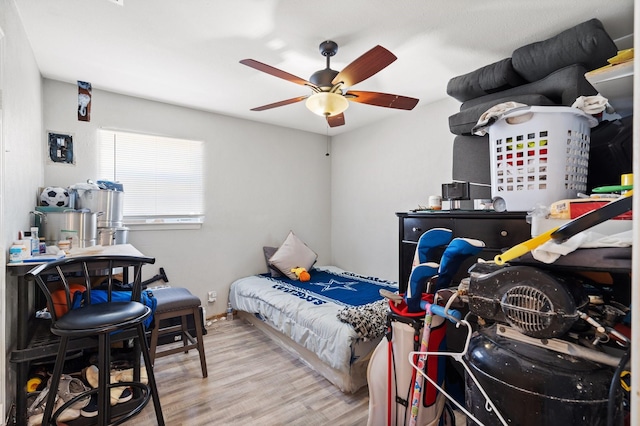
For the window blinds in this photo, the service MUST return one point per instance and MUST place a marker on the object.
(161, 177)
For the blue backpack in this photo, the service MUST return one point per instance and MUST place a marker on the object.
(100, 296)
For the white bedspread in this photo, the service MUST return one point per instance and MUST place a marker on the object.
(315, 327)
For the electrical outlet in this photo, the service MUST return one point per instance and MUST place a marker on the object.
(212, 295)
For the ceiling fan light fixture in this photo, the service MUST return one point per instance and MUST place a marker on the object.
(327, 104)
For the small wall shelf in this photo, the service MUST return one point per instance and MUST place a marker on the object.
(616, 84)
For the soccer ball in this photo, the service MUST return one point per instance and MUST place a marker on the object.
(54, 196)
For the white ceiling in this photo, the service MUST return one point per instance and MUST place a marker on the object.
(187, 52)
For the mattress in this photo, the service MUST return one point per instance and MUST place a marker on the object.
(305, 316)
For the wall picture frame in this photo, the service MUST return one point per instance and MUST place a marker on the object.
(60, 148)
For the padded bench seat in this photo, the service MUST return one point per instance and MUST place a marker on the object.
(177, 302)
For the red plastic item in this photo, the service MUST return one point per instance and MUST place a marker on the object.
(579, 208)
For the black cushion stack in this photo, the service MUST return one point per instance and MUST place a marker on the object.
(545, 73)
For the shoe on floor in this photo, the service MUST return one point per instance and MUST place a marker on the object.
(127, 375)
(36, 402)
(67, 415)
(70, 387)
(90, 375)
(121, 394)
(91, 410)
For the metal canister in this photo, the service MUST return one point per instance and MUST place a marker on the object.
(106, 201)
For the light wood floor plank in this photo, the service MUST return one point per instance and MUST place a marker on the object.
(252, 381)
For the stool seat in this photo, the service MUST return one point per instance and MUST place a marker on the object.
(173, 298)
(177, 302)
(92, 319)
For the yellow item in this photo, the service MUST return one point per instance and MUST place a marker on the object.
(301, 274)
(626, 386)
(622, 56)
(33, 383)
(525, 247)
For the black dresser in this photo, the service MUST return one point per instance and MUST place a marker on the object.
(498, 231)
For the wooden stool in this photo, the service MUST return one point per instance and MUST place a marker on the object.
(174, 302)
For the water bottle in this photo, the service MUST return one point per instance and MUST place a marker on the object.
(35, 241)
(229, 312)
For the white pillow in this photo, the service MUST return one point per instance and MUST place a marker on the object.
(293, 253)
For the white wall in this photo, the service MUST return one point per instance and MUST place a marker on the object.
(261, 181)
(21, 166)
(264, 180)
(379, 170)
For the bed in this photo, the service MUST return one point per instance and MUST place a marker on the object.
(332, 322)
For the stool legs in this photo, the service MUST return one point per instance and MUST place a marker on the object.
(203, 360)
(104, 379)
(55, 382)
(148, 364)
(188, 342)
(104, 387)
(185, 330)
(154, 338)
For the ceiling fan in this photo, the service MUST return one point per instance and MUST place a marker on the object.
(331, 89)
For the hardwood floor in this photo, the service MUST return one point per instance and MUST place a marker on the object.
(252, 381)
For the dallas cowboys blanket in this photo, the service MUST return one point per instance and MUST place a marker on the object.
(330, 285)
(308, 312)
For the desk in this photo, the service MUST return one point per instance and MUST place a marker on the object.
(22, 355)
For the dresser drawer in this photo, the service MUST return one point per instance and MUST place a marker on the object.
(496, 233)
(413, 228)
(497, 230)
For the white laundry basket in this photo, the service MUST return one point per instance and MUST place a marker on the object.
(539, 154)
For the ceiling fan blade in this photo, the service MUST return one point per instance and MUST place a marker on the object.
(385, 100)
(279, 104)
(276, 72)
(365, 66)
(336, 120)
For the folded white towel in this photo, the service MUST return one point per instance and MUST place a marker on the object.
(550, 251)
(593, 105)
(492, 114)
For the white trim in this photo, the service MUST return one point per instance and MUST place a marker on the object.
(635, 258)
(3, 246)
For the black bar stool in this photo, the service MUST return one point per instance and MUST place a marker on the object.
(101, 320)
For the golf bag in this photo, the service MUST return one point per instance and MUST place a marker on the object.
(391, 377)
(390, 374)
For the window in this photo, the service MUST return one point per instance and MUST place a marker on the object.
(162, 177)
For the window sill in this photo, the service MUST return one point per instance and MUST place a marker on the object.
(163, 224)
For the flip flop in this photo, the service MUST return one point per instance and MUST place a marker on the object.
(394, 297)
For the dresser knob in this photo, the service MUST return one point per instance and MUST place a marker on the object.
(504, 233)
(416, 229)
